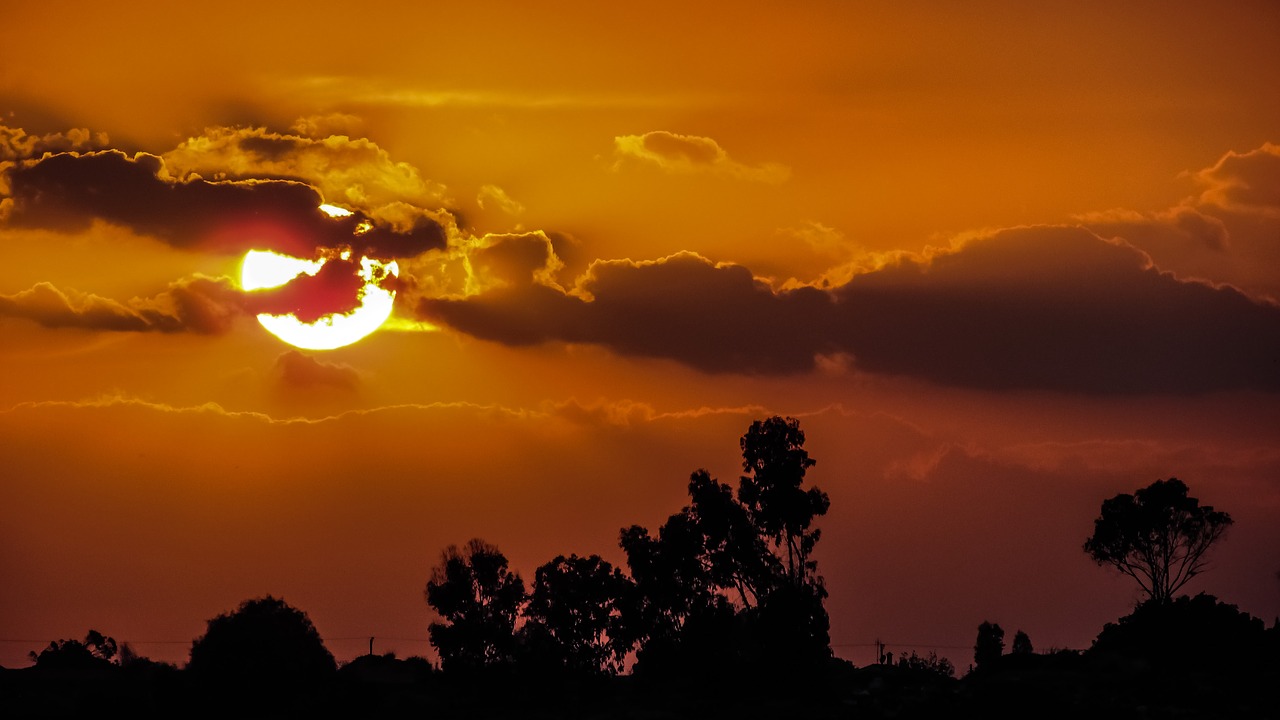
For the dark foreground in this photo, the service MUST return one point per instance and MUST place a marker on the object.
(1062, 685)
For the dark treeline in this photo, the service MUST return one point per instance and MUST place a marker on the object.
(719, 613)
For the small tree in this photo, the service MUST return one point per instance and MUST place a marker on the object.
(479, 600)
(1158, 536)
(990, 644)
(1022, 644)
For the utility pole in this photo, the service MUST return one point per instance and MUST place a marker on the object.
(370, 644)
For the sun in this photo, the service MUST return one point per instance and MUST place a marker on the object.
(264, 269)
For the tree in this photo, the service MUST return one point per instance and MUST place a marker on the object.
(1189, 633)
(1158, 536)
(670, 584)
(265, 642)
(932, 664)
(479, 599)
(94, 651)
(733, 549)
(575, 605)
(733, 576)
(1022, 644)
(990, 644)
(775, 461)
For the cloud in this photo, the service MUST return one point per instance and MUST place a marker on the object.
(1051, 307)
(303, 372)
(471, 265)
(352, 172)
(498, 198)
(322, 126)
(67, 191)
(197, 304)
(1228, 233)
(717, 318)
(1248, 182)
(336, 288)
(16, 144)
(690, 154)
(1056, 308)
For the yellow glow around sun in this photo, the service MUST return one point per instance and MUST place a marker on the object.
(264, 269)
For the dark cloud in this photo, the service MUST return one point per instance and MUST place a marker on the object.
(198, 304)
(1055, 308)
(303, 372)
(68, 191)
(715, 318)
(336, 288)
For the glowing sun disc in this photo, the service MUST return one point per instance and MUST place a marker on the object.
(264, 269)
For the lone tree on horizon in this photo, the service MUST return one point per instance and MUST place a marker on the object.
(1158, 536)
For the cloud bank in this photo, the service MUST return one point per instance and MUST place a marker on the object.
(1052, 307)
(198, 304)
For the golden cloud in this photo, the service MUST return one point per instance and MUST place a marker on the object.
(690, 154)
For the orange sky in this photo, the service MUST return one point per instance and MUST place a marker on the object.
(1003, 261)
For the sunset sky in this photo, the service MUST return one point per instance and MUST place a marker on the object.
(1002, 260)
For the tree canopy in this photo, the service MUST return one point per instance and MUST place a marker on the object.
(574, 614)
(735, 572)
(478, 598)
(775, 461)
(95, 650)
(1158, 536)
(990, 644)
(264, 641)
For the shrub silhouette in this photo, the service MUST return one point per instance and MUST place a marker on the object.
(265, 643)
(1187, 633)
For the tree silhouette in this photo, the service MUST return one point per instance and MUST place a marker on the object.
(95, 650)
(733, 575)
(265, 642)
(670, 580)
(733, 549)
(990, 644)
(1200, 633)
(1158, 536)
(574, 612)
(775, 461)
(479, 600)
(933, 664)
(1022, 644)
